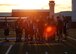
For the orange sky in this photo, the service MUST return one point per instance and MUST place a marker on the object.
(8, 5)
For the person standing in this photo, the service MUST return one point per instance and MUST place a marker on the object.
(18, 30)
(65, 28)
(26, 27)
(6, 31)
(60, 26)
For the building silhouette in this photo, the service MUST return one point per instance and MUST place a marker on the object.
(35, 12)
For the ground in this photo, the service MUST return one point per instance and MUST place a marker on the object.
(65, 47)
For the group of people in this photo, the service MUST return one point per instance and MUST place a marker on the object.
(33, 29)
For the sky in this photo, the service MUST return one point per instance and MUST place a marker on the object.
(8, 5)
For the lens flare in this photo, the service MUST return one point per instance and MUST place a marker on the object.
(49, 31)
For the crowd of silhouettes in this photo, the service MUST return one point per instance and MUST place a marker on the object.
(34, 28)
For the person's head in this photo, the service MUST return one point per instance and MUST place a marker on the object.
(58, 17)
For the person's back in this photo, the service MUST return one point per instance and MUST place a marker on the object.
(60, 24)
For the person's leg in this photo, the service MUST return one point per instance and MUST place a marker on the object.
(20, 36)
(65, 33)
(60, 36)
(26, 37)
(6, 38)
(17, 37)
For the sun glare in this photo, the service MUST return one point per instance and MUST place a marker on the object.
(31, 4)
(60, 5)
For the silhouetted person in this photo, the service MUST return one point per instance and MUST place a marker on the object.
(19, 31)
(60, 26)
(6, 31)
(41, 30)
(31, 30)
(65, 28)
(26, 27)
(17, 34)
